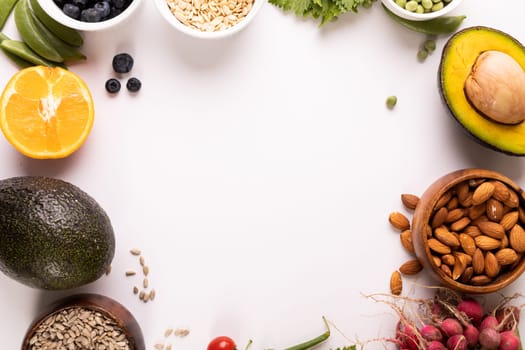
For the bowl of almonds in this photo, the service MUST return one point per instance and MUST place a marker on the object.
(85, 321)
(468, 230)
(209, 19)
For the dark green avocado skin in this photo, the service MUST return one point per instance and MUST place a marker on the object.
(53, 235)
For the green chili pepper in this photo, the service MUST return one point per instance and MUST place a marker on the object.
(311, 343)
(435, 26)
(6, 7)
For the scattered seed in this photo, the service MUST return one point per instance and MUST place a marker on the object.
(135, 290)
(135, 252)
(159, 346)
(181, 332)
(141, 260)
(145, 270)
(145, 283)
(142, 294)
(168, 347)
(152, 294)
(130, 273)
(168, 332)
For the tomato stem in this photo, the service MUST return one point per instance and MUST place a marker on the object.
(315, 341)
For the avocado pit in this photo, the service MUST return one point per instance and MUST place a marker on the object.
(496, 87)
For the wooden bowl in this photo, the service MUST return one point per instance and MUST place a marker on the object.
(422, 230)
(94, 302)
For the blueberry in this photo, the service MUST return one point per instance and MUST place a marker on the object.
(103, 7)
(115, 12)
(60, 3)
(133, 84)
(122, 63)
(71, 10)
(112, 85)
(119, 4)
(82, 4)
(90, 15)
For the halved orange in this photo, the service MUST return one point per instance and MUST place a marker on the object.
(45, 112)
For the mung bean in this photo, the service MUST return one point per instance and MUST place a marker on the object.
(391, 101)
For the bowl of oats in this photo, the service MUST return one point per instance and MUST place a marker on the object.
(209, 19)
(85, 321)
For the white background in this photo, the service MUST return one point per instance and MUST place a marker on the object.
(257, 173)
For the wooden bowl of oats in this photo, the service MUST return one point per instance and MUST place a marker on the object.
(85, 321)
(468, 230)
(209, 19)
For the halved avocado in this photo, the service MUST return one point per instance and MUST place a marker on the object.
(459, 59)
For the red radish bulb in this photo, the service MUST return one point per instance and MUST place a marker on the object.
(489, 321)
(472, 308)
(430, 333)
(451, 326)
(509, 341)
(457, 342)
(489, 339)
(436, 345)
(407, 336)
(508, 317)
(471, 333)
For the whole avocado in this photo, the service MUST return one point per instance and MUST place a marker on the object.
(53, 235)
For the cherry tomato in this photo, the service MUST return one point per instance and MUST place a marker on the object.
(222, 343)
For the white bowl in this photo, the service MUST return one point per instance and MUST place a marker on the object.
(401, 12)
(166, 13)
(56, 13)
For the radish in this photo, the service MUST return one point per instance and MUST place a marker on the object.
(471, 334)
(489, 339)
(457, 342)
(508, 317)
(489, 321)
(436, 345)
(451, 326)
(472, 308)
(430, 333)
(509, 341)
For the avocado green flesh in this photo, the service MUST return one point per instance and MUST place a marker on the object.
(459, 55)
(52, 234)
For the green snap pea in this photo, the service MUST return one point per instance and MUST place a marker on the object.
(21, 63)
(315, 341)
(24, 52)
(435, 26)
(6, 7)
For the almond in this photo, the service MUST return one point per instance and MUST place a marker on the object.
(482, 218)
(492, 229)
(478, 262)
(492, 267)
(453, 203)
(406, 241)
(446, 237)
(494, 209)
(476, 182)
(439, 217)
(446, 270)
(459, 266)
(409, 200)
(396, 284)
(443, 200)
(462, 191)
(472, 231)
(436, 260)
(448, 259)
(501, 191)
(480, 280)
(521, 212)
(399, 221)
(506, 256)
(460, 224)
(467, 275)
(454, 215)
(487, 243)
(460, 255)
(513, 200)
(509, 220)
(411, 267)
(504, 242)
(517, 238)
(482, 193)
(439, 247)
(476, 211)
(467, 243)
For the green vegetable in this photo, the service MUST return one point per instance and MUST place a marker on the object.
(435, 26)
(68, 35)
(391, 101)
(6, 7)
(429, 45)
(315, 341)
(422, 54)
(21, 63)
(326, 10)
(20, 49)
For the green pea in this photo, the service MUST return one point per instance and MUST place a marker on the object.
(422, 54)
(436, 1)
(435, 26)
(429, 45)
(427, 4)
(411, 5)
(420, 9)
(391, 101)
(437, 6)
(401, 3)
